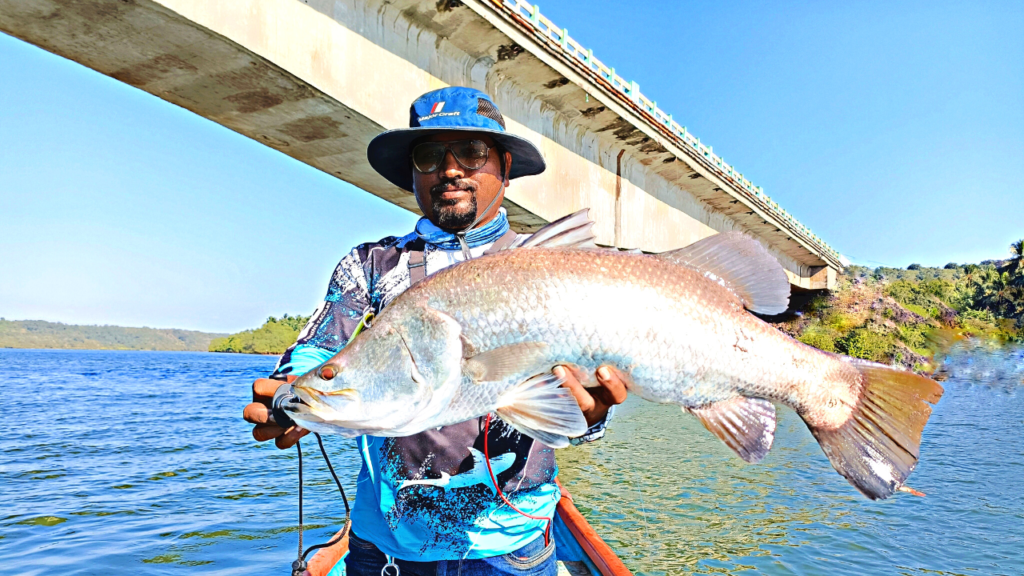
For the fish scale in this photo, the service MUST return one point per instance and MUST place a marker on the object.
(483, 336)
(643, 333)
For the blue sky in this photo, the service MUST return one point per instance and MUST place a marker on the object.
(895, 130)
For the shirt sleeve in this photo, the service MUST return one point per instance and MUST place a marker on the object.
(595, 432)
(333, 322)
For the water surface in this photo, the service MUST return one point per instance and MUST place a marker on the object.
(138, 462)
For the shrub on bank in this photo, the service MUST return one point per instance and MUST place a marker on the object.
(902, 316)
(274, 337)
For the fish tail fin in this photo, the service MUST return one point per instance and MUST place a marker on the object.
(876, 448)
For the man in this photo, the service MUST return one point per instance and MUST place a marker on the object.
(427, 501)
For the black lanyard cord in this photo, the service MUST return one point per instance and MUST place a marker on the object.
(299, 566)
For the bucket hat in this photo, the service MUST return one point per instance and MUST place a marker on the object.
(453, 109)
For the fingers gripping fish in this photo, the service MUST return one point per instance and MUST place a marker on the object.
(483, 336)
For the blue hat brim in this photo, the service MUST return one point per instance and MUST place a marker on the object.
(388, 152)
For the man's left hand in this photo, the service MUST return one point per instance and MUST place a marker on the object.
(595, 402)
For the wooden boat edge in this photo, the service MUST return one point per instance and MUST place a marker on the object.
(599, 552)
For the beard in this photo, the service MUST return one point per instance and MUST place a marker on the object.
(454, 214)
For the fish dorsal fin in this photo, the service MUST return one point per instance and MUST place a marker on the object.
(572, 231)
(542, 409)
(478, 457)
(742, 265)
(747, 425)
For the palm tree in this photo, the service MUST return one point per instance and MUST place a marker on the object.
(1016, 265)
(971, 273)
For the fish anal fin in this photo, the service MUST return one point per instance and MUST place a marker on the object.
(878, 445)
(746, 425)
(742, 265)
(543, 410)
(500, 363)
(572, 231)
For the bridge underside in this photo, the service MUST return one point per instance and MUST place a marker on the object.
(317, 80)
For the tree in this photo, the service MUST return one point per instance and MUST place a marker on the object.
(1015, 268)
(272, 338)
(914, 267)
(950, 266)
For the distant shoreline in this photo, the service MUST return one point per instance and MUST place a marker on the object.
(249, 353)
(107, 350)
(888, 315)
(43, 335)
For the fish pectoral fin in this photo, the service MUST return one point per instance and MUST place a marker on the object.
(441, 482)
(500, 363)
(743, 265)
(543, 410)
(572, 231)
(747, 425)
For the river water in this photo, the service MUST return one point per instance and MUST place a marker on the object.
(138, 462)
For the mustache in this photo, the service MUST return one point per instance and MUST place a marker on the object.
(458, 184)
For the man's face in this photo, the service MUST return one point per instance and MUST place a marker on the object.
(451, 195)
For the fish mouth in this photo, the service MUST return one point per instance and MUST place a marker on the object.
(311, 392)
(313, 405)
(342, 412)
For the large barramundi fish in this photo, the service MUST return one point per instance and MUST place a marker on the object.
(484, 335)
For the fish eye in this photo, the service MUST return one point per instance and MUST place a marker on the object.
(328, 372)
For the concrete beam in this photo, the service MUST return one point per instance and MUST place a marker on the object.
(318, 79)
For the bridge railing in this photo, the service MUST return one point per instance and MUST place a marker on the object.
(560, 37)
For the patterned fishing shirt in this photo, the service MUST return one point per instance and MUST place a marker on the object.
(429, 496)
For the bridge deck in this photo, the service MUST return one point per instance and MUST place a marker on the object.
(318, 79)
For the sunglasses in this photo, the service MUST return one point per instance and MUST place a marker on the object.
(470, 154)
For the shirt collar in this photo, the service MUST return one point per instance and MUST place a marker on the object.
(444, 240)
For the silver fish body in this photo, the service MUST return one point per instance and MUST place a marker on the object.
(483, 336)
(681, 338)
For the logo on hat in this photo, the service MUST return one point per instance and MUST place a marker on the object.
(436, 112)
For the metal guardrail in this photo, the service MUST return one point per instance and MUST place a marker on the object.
(571, 48)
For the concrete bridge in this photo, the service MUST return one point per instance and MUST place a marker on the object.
(317, 79)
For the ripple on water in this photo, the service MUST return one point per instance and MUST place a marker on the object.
(43, 521)
(793, 513)
(146, 493)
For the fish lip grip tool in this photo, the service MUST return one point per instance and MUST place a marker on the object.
(283, 397)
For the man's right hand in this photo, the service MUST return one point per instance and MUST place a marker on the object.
(258, 413)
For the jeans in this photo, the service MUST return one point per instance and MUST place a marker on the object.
(534, 559)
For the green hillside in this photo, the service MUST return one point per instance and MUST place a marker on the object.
(890, 315)
(273, 337)
(903, 316)
(41, 334)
